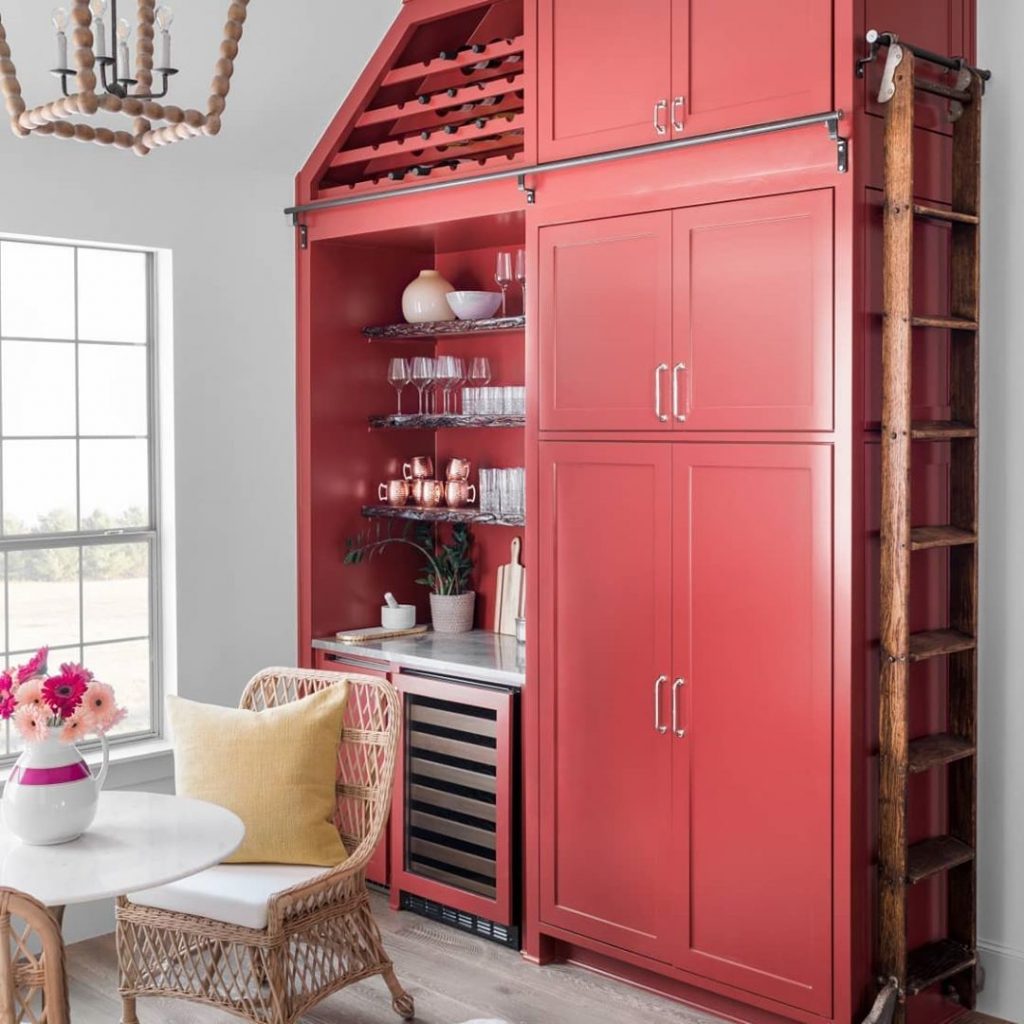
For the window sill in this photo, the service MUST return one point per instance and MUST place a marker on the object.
(139, 763)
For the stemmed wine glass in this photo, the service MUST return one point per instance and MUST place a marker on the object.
(479, 372)
(447, 375)
(503, 278)
(398, 376)
(422, 376)
(521, 273)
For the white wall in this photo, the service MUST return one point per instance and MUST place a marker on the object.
(1001, 27)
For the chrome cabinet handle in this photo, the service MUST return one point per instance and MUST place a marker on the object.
(676, 371)
(676, 687)
(677, 105)
(659, 125)
(662, 368)
(658, 727)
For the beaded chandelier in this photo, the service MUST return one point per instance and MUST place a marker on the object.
(118, 88)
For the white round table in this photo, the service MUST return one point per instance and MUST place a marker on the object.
(138, 841)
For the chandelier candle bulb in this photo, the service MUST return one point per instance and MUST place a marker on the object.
(60, 23)
(99, 9)
(164, 19)
(123, 70)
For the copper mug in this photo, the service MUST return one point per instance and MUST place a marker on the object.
(427, 493)
(458, 493)
(394, 492)
(458, 469)
(419, 468)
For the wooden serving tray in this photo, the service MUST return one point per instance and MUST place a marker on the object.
(374, 633)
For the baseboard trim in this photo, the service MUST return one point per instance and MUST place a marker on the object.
(1003, 995)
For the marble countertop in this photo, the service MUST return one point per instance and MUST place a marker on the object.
(480, 656)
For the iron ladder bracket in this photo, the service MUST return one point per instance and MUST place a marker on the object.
(527, 190)
(303, 230)
(842, 145)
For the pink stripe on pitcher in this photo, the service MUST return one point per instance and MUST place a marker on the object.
(50, 776)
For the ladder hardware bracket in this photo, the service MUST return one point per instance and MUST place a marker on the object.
(842, 145)
(893, 59)
(530, 193)
(303, 231)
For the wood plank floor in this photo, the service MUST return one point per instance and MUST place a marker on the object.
(454, 977)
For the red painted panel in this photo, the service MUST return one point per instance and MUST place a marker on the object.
(753, 315)
(602, 67)
(605, 323)
(752, 615)
(726, 62)
(605, 771)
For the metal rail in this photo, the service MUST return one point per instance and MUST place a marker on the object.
(830, 119)
(878, 39)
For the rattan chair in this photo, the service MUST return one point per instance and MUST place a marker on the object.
(320, 935)
(33, 983)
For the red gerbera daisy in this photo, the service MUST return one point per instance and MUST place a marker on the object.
(35, 667)
(63, 693)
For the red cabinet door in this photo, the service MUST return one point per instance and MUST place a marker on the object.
(606, 323)
(605, 771)
(739, 63)
(603, 65)
(753, 318)
(752, 613)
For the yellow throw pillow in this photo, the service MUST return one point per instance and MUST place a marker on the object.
(276, 769)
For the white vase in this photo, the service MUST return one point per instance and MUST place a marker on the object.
(452, 613)
(426, 299)
(51, 796)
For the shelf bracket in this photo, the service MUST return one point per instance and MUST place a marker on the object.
(842, 145)
(303, 231)
(530, 193)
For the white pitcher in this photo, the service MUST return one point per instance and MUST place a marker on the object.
(51, 795)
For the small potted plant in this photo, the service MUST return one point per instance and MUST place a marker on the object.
(447, 571)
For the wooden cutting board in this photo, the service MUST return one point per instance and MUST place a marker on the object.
(512, 580)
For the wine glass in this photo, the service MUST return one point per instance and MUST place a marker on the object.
(422, 376)
(503, 278)
(398, 376)
(521, 273)
(479, 372)
(446, 374)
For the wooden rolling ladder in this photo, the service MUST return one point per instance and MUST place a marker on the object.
(952, 961)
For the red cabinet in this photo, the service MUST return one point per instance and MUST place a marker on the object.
(606, 782)
(753, 779)
(716, 317)
(686, 805)
(606, 323)
(616, 75)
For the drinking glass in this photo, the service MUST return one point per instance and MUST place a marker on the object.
(398, 375)
(521, 273)
(480, 371)
(422, 376)
(447, 375)
(503, 278)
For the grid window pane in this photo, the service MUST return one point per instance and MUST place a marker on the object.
(126, 667)
(38, 389)
(39, 487)
(37, 290)
(114, 485)
(43, 599)
(115, 591)
(113, 297)
(113, 395)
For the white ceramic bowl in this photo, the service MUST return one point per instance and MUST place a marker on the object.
(474, 305)
(402, 617)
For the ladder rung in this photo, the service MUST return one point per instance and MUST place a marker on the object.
(933, 856)
(948, 323)
(938, 89)
(923, 537)
(935, 962)
(933, 751)
(941, 430)
(950, 216)
(937, 642)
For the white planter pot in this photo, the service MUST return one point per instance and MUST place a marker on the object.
(426, 299)
(51, 796)
(452, 614)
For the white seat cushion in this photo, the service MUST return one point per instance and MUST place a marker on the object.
(233, 893)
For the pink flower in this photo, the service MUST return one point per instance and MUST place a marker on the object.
(8, 702)
(63, 693)
(100, 707)
(76, 727)
(30, 720)
(36, 666)
(30, 692)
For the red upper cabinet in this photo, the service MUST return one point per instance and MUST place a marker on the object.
(606, 323)
(615, 75)
(739, 63)
(605, 75)
(753, 836)
(753, 315)
(605, 776)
